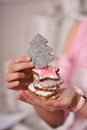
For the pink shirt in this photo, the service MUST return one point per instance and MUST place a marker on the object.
(73, 69)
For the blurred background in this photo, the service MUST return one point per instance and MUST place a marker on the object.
(20, 20)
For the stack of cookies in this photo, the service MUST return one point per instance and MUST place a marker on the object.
(47, 79)
(47, 82)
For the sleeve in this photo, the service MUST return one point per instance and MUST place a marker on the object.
(77, 58)
(65, 66)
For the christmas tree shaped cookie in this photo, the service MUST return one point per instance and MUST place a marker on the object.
(40, 51)
(47, 79)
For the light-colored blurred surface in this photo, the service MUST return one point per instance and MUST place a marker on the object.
(20, 20)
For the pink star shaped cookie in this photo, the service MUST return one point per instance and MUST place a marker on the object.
(47, 72)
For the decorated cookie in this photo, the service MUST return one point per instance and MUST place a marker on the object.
(47, 72)
(44, 94)
(40, 51)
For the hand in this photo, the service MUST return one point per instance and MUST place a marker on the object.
(67, 98)
(19, 74)
(31, 98)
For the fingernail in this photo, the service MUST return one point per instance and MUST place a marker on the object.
(17, 83)
(28, 58)
(31, 64)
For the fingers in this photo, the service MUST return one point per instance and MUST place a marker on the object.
(22, 59)
(20, 66)
(14, 76)
(63, 101)
(18, 79)
(37, 101)
(13, 84)
(32, 97)
(18, 85)
(28, 97)
(20, 63)
(22, 97)
(25, 97)
(19, 74)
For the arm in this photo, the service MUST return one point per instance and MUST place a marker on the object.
(53, 118)
(66, 51)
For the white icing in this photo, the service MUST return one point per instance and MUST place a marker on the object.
(31, 87)
(41, 87)
(39, 92)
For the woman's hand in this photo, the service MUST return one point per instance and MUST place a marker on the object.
(19, 74)
(31, 98)
(67, 99)
(49, 114)
(28, 97)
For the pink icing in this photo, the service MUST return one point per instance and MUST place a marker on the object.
(47, 72)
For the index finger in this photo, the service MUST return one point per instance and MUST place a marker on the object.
(21, 59)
